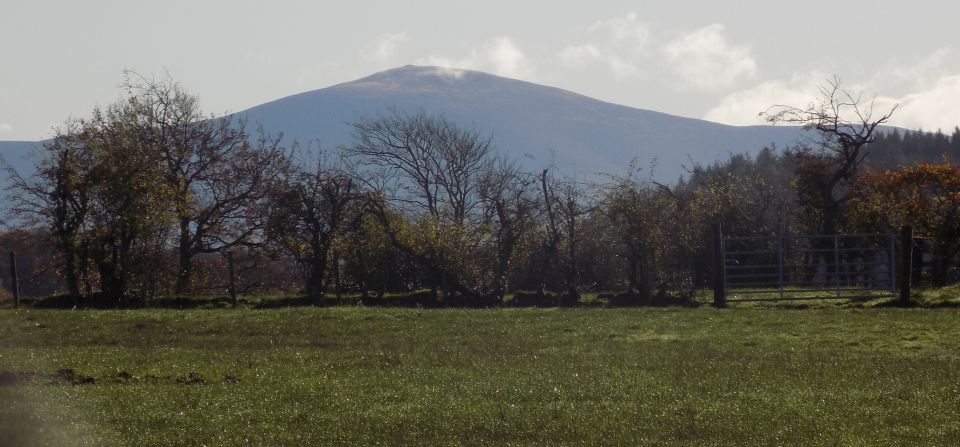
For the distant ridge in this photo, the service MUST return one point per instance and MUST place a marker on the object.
(537, 125)
(18, 155)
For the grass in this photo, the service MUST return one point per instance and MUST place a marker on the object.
(757, 374)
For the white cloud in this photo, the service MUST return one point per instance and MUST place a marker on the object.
(507, 58)
(744, 107)
(621, 44)
(705, 60)
(626, 30)
(500, 56)
(926, 96)
(384, 48)
(937, 106)
(4, 127)
(914, 75)
(578, 56)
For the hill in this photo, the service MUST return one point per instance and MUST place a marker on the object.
(536, 124)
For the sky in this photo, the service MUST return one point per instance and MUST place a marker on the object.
(721, 61)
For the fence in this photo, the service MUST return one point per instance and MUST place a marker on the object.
(783, 268)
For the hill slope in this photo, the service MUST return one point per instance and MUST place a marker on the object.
(536, 124)
(17, 154)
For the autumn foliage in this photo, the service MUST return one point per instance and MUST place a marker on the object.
(925, 196)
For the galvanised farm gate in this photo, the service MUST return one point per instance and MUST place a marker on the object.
(774, 268)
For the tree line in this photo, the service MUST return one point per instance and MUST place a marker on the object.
(149, 195)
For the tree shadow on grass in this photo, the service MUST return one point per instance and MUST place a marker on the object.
(418, 299)
(99, 301)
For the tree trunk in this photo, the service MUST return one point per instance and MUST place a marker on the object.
(572, 273)
(632, 283)
(444, 287)
(644, 286)
(185, 261)
(503, 266)
(940, 263)
(336, 274)
(361, 274)
(123, 269)
(85, 274)
(506, 241)
(70, 272)
(364, 289)
(545, 264)
(232, 279)
(572, 252)
(830, 211)
(315, 289)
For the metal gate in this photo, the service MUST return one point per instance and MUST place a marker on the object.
(860, 266)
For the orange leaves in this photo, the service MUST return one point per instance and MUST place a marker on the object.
(926, 196)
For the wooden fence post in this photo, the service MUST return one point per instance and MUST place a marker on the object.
(906, 264)
(719, 286)
(232, 285)
(16, 279)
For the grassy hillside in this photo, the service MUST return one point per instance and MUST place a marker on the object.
(352, 376)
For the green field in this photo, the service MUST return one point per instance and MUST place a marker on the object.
(747, 375)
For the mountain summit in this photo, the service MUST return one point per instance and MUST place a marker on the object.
(537, 125)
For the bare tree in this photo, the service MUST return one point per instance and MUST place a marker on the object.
(430, 164)
(308, 213)
(564, 206)
(217, 172)
(510, 205)
(847, 123)
(57, 196)
(427, 169)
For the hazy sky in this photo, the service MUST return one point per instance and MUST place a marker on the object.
(723, 61)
